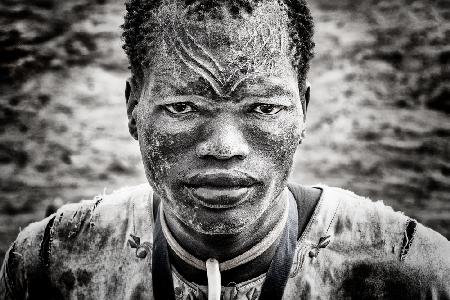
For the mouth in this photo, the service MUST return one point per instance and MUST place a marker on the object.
(220, 190)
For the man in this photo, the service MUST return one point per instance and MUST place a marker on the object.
(217, 100)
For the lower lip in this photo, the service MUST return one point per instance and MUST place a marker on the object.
(219, 197)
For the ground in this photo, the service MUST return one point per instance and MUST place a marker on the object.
(377, 121)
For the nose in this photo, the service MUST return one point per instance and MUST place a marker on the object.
(224, 141)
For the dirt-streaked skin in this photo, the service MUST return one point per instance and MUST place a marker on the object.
(222, 72)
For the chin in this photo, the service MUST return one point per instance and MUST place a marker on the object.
(216, 221)
(220, 227)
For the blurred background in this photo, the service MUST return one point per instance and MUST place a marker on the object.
(378, 120)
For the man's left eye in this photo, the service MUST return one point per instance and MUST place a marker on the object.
(267, 109)
(180, 108)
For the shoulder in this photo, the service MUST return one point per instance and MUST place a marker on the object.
(355, 224)
(373, 223)
(86, 233)
(366, 248)
(24, 260)
(102, 224)
(388, 246)
(106, 213)
(391, 247)
(353, 221)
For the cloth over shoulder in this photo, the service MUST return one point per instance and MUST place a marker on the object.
(359, 249)
(351, 248)
(84, 249)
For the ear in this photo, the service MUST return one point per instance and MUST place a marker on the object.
(131, 101)
(307, 96)
(305, 104)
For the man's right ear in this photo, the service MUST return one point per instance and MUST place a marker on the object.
(131, 101)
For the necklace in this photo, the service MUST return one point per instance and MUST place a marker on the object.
(241, 259)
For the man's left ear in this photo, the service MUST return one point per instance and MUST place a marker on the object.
(131, 101)
(307, 96)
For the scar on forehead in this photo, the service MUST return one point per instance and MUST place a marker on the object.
(253, 87)
(198, 59)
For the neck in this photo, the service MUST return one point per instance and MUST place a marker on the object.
(226, 246)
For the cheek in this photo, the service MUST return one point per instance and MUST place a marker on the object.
(276, 143)
(275, 150)
(164, 147)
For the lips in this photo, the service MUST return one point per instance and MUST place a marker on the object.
(219, 189)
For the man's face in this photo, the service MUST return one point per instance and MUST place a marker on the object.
(219, 117)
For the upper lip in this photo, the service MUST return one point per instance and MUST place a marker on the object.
(221, 179)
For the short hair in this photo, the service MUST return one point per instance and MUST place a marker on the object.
(137, 34)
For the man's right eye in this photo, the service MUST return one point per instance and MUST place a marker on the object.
(180, 108)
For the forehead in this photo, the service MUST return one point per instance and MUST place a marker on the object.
(222, 52)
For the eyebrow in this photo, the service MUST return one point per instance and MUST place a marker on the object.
(201, 88)
(176, 89)
(263, 91)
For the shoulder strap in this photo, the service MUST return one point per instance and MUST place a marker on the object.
(278, 273)
(306, 199)
(155, 206)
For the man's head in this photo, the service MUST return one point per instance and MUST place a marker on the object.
(217, 101)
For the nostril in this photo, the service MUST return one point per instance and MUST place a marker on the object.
(223, 140)
(222, 153)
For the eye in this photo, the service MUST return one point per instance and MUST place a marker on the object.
(267, 109)
(180, 108)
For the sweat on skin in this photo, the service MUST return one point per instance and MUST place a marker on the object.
(219, 95)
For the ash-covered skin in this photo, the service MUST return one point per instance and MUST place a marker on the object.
(220, 94)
